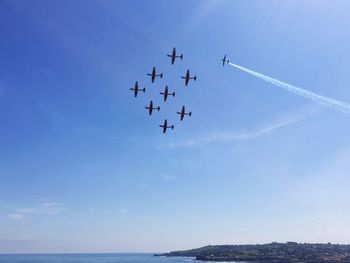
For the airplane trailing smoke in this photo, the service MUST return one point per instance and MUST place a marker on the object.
(329, 102)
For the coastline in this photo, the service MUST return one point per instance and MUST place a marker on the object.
(290, 252)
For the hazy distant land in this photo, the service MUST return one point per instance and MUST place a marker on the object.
(273, 252)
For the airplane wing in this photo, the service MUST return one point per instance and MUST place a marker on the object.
(186, 81)
(224, 60)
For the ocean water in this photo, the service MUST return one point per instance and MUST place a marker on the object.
(90, 258)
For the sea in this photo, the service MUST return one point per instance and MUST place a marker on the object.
(90, 258)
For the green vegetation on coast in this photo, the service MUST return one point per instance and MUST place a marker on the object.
(273, 252)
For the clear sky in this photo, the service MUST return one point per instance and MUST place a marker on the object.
(83, 168)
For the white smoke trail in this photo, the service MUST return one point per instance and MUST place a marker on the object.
(331, 103)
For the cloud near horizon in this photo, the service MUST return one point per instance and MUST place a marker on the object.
(43, 208)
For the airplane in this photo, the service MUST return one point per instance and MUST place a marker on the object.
(183, 113)
(166, 93)
(224, 61)
(150, 108)
(154, 75)
(173, 56)
(165, 126)
(136, 89)
(187, 77)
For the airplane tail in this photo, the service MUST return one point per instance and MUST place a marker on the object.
(190, 114)
(172, 127)
(181, 56)
(161, 75)
(144, 90)
(158, 108)
(195, 78)
(173, 94)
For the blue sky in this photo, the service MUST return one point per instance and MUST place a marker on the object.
(83, 168)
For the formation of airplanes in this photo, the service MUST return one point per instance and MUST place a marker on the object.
(166, 92)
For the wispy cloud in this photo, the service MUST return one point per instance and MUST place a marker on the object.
(43, 208)
(123, 211)
(16, 216)
(234, 136)
(206, 7)
(120, 212)
(168, 177)
(203, 10)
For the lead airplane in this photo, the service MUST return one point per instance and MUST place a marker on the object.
(224, 61)
(173, 56)
(154, 75)
(166, 93)
(165, 126)
(183, 113)
(150, 108)
(188, 77)
(136, 89)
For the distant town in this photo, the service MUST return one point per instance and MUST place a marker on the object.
(273, 252)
